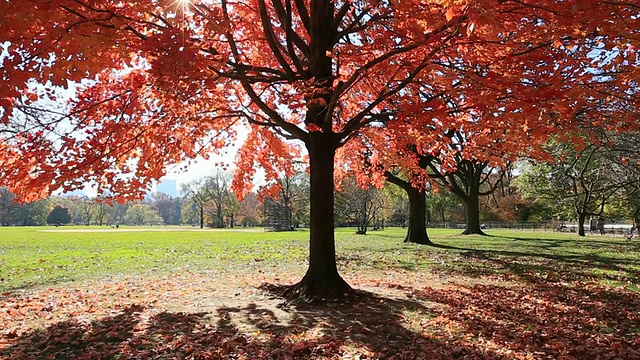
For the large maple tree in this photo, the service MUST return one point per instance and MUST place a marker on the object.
(166, 80)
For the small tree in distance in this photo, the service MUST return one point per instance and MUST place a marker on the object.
(59, 215)
(198, 195)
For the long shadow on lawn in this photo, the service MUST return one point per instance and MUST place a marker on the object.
(591, 242)
(531, 265)
(372, 324)
(475, 322)
(549, 321)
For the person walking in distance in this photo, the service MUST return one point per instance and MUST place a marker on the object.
(633, 228)
(601, 225)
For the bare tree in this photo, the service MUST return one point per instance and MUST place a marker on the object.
(197, 193)
(87, 206)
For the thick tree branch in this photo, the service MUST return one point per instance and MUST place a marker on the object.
(273, 115)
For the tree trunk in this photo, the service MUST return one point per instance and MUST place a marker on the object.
(322, 280)
(581, 218)
(201, 217)
(472, 203)
(417, 232)
(219, 217)
(362, 229)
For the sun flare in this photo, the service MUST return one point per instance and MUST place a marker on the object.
(183, 4)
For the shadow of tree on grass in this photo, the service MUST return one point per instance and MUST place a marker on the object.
(540, 321)
(372, 327)
(548, 321)
(531, 266)
(527, 258)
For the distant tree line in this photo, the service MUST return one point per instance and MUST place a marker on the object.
(14, 213)
(598, 178)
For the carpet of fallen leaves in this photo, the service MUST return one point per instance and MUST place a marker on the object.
(398, 315)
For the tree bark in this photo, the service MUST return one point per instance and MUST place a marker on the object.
(472, 202)
(417, 231)
(322, 280)
(219, 217)
(581, 218)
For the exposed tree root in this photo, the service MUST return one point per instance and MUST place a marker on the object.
(314, 291)
(422, 240)
(474, 232)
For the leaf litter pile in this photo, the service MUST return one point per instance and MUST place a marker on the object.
(397, 315)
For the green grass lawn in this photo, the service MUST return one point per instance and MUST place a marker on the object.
(31, 257)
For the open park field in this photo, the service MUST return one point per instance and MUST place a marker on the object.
(187, 294)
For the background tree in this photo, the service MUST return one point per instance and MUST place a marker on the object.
(250, 210)
(443, 206)
(359, 206)
(294, 196)
(219, 198)
(100, 211)
(165, 206)
(190, 214)
(624, 159)
(81, 208)
(232, 209)
(505, 203)
(536, 185)
(116, 213)
(470, 177)
(417, 231)
(87, 207)
(7, 204)
(142, 214)
(176, 218)
(627, 201)
(59, 215)
(368, 163)
(398, 206)
(198, 195)
(31, 214)
(583, 177)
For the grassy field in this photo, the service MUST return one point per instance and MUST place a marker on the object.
(45, 256)
(184, 293)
